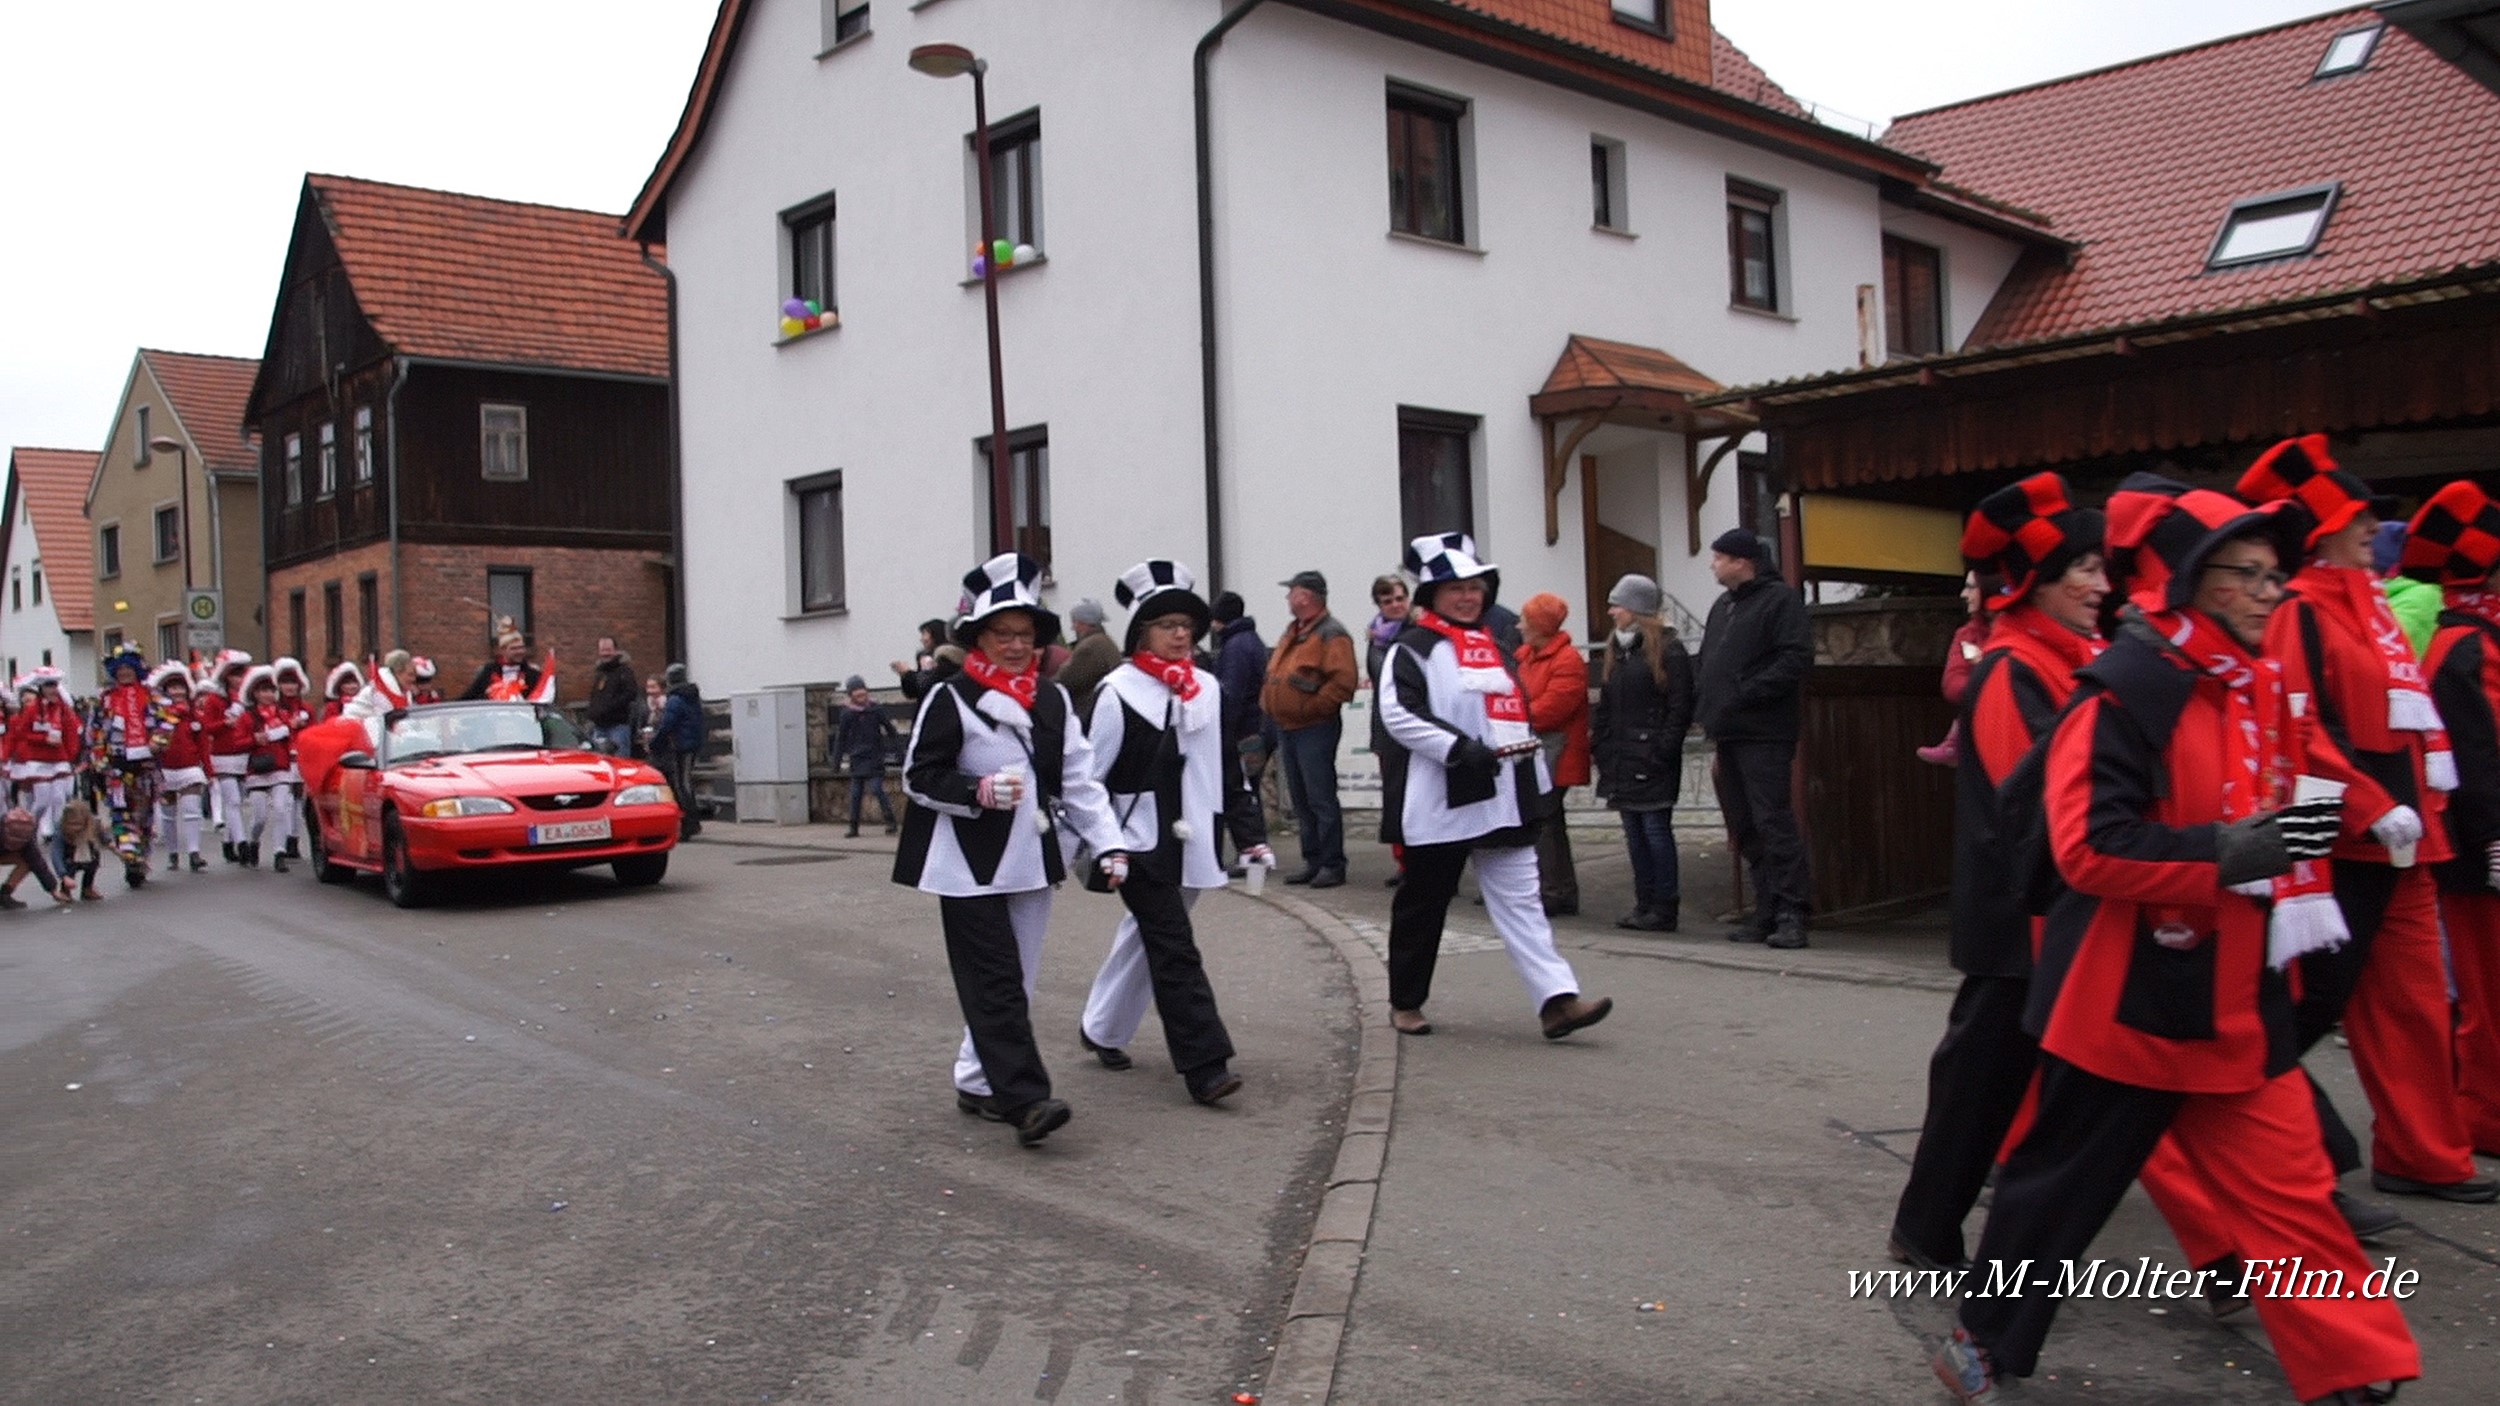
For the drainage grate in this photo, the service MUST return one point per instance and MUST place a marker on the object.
(791, 859)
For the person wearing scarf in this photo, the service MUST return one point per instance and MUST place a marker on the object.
(46, 740)
(2352, 673)
(2041, 628)
(126, 730)
(1465, 779)
(181, 767)
(226, 719)
(995, 764)
(2454, 545)
(1158, 742)
(2161, 997)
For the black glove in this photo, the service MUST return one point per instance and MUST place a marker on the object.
(2310, 828)
(1469, 757)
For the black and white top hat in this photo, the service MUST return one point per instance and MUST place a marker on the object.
(1004, 582)
(1156, 587)
(1438, 558)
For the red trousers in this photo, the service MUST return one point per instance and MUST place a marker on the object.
(2401, 1042)
(2473, 921)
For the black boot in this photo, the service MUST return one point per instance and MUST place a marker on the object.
(853, 832)
(250, 853)
(197, 864)
(1790, 934)
(290, 852)
(231, 856)
(278, 865)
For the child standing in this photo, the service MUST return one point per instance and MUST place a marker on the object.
(860, 730)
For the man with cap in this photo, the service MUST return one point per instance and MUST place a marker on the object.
(2161, 999)
(860, 730)
(995, 755)
(1750, 695)
(1158, 748)
(2454, 545)
(1092, 658)
(1310, 676)
(2375, 729)
(1464, 778)
(2043, 627)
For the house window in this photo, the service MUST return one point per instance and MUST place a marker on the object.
(333, 623)
(17, 592)
(2348, 52)
(1606, 207)
(1752, 246)
(1425, 198)
(112, 642)
(816, 517)
(1436, 472)
(294, 470)
(329, 457)
(810, 228)
(2273, 227)
(168, 639)
(504, 442)
(368, 615)
(1028, 476)
(1645, 14)
(1757, 502)
(1913, 298)
(507, 598)
(364, 444)
(844, 20)
(108, 550)
(1015, 179)
(295, 623)
(38, 576)
(141, 453)
(168, 534)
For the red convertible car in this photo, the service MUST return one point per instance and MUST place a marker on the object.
(470, 787)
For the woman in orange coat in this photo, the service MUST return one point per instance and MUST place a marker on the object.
(1556, 680)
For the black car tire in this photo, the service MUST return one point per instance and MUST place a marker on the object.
(637, 871)
(401, 881)
(323, 869)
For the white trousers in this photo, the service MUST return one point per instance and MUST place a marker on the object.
(178, 823)
(1514, 899)
(1123, 990)
(45, 796)
(1029, 913)
(269, 815)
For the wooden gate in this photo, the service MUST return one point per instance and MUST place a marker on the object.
(1879, 822)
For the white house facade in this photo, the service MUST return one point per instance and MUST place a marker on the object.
(1494, 320)
(46, 617)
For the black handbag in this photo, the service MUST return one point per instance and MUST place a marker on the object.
(262, 764)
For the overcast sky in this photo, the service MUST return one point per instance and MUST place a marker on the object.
(154, 148)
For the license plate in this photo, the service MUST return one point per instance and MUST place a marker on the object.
(569, 832)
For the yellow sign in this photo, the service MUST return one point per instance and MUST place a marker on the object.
(1863, 534)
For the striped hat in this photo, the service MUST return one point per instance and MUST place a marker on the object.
(1008, 581)
(2029, 533)
(1156, 587)
(2455, 539)
(1436, 559)
(2301, 472)
(2161, 531)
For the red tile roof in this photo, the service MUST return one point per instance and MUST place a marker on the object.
(1590, 364)
(465, 278)
(54, 482)
(1733, 72)
(208, 393)
(2141, 163)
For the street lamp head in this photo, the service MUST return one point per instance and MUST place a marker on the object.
(165, 444)
(946, 61)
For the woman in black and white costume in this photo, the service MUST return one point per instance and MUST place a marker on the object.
(994, 753)
(1158, 741)
(1464, 776)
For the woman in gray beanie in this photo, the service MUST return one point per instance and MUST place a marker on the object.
(1636, 738)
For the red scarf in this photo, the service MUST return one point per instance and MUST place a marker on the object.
(2073, 649)
(1178, 675)
(1480, 667)
(2355, 600)
(1023, 688)
(2475, 601)
(131, 704)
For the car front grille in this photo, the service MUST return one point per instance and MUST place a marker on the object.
(566, 800)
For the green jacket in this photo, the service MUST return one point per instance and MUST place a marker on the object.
(2416, 604)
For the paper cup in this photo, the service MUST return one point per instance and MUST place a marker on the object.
(1254, 878)
(2400, 856)
(2316, 788)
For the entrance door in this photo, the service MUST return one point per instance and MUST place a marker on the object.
(1619, 523)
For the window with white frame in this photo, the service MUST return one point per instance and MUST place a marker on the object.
(328, 451)
(503, 442)
(1015, 179)
(1645, 14)
(167, 521)
(169, 638)
(816, 543)
(294, 470)
(1606, 193)
(844, 21)
(2348, 52)
(364, 444)
(808, 233)
(1753, 277)
(2279, 226)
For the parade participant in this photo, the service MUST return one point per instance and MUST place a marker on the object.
(21, 853)
(226, 723)
(45, 743)
(2042, 627)
(2454, 543)
(1465, 777)
(421, 688)
(129, 725)
(343, 684)
(182, 768)
(21, 698)
(2160, 998)
(294, 690)
(2347, 663)
(1158, 749)
(268, 790)
(993, 755)
(509, 676)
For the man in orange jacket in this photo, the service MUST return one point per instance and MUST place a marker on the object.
(1310, 676)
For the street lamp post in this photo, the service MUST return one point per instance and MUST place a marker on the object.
(950, 61)
(160, 445)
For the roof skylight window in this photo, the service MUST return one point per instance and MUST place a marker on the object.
(2348, 52)
(2272, 227)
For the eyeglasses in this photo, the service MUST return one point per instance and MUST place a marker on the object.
(1008, 636)
(1178, 624)
(2254, 579)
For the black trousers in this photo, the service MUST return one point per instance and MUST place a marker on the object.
(982, 952)
(1417, 912)
(1192, 1030)
(1975, 1084)
(2053, 1197)
(1754, 795)
(2327, 981)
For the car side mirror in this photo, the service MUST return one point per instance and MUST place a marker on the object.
(356, 761)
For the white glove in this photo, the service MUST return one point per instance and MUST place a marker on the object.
(2397, 828)
(1115, 868)
(1261, 854)
(275, 734)
(2260, 889)
(138, 754)
(2491, 863)
(1001, 791)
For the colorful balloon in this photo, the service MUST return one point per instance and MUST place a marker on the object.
(980, 267)
(814, 321)
(791, 327)
(794, 307)
(1026, 253)
(1002, 253)
(813, 308)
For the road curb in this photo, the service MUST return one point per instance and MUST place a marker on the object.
(1304, 1369)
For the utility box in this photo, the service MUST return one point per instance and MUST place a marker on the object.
(768, 737)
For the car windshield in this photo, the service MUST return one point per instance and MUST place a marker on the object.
(511, 727)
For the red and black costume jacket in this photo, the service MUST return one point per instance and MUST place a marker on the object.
(2134, 788)
(333, 707)
(2338, 681)
(29, 743)
(2464, 669)
(274, 727)
(186, 744)
(226, 723)
(2014, 694)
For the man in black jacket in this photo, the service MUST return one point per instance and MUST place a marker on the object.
(1751, 686)
(613, 690)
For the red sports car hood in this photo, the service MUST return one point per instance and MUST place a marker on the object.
(527, 773)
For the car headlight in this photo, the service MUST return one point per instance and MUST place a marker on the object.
(451, 806)
(643, 795)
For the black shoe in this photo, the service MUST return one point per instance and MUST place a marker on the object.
(978, 1107)
(278, 865)
(1748, 933)
(2222, 1292)
(173, 864)
(228, 847)
(891, 827)
(290, 852)
(1306, 876)
(1211, 1084)
(1328, 879)
(1901, 1251)
(1563, 910)
(2473, 1191)
(1111, 1058)
(10, 903)
(851, 834)
(2368, 1219)
(1790, 935)
(250, 854)
(197, 864)
(1642, 920)
(1038, 1120)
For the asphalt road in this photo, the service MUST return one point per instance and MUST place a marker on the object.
(267, 1142)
